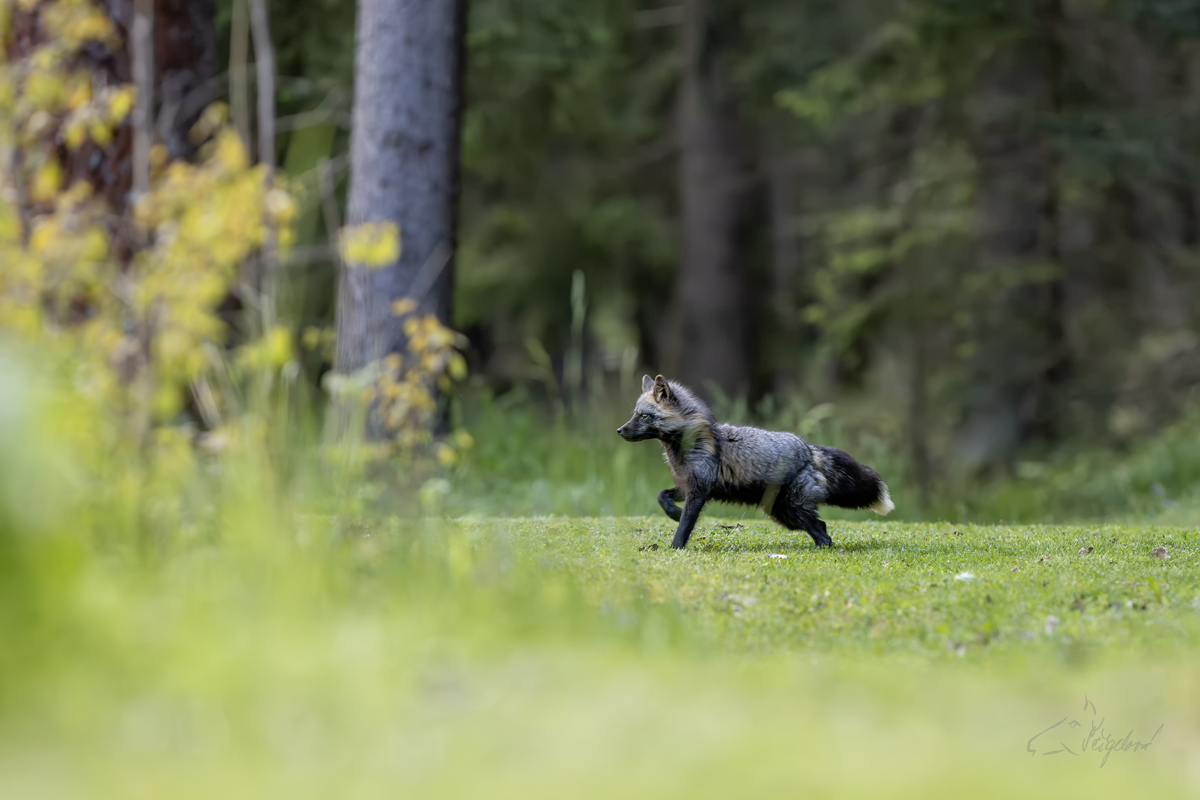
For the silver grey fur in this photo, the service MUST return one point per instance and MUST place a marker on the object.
(776, 470)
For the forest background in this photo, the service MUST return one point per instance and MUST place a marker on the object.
(957, 239)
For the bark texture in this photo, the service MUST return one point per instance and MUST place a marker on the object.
(1158, 219)
(404, 157)
(1020, 348)
(185, 66)
(709, 340)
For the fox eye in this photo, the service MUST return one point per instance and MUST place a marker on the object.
(644, 417)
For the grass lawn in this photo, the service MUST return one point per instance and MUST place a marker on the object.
(572, 657)
(930, 590)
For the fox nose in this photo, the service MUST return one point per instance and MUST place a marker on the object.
(621, 430)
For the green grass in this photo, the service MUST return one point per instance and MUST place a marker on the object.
(223, 629)
(530, 658)
(927, 589)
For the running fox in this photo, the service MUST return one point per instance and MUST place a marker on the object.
(780, 472)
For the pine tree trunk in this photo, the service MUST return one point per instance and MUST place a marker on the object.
(709, 340)
(1020, 347)
(404, 157)
(1158, 219)
(185, 56)
(791, 178)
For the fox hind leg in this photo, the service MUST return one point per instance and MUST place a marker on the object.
(803, 518)
(666, 499)
(818, 531)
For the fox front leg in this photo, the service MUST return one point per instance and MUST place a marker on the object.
(667, 498)
(691, 512)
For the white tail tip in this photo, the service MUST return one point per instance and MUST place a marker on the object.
(883, 505)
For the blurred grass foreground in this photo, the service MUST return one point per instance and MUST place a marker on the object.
(221, 627)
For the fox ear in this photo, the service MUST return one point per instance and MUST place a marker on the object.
(662, 390)
(647, 383)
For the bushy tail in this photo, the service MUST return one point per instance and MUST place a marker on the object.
(850, 484)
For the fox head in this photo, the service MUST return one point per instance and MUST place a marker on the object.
(665, 411)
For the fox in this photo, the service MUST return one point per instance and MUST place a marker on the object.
(777, 471)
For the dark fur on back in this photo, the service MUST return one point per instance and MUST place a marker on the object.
(778, 471)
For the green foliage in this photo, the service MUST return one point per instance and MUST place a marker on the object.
(890, 68)
(562, 132)
(126, 300)
(1154, 479)
(525, 462)
(888, 263)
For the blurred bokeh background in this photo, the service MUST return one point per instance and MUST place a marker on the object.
(960, 238)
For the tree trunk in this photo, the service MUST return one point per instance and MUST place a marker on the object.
(1158, 221)
(709, 337)
(1191, 80)
(789, 178)
(918, 416)
(1020, 347)
(184, 64)
(404, 157)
